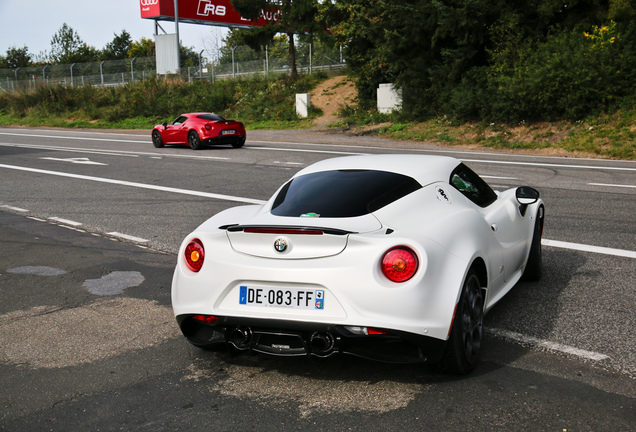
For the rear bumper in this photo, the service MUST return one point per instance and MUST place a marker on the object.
(224, 139)
(298, 338)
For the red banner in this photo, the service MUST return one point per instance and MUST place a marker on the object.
(211, 12)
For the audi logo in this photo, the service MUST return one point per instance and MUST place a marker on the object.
(148, 2)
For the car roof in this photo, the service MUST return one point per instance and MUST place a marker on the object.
(198, 113)
(423, 168)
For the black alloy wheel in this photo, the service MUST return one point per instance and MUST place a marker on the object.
(156, 139)
(194, 140)
(464, 344)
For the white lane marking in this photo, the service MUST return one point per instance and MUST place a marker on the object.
(113, 152)
(452, 151)
(127, 237)
(72, 149)
(82, 161)
(37, 219)
(498, 178)
(589, 248)
(551, 346)
(288, 163)
(148, 141)
(138, 185)
(612, 185)
(550, 165)
(136, 154)
(305, 151)
(65, 221)
(18, 209)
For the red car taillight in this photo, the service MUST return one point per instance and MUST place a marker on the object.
(208, 319)
(208, 126)
(399, 264)
(194, 255)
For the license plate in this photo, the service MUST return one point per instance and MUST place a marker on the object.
(285, 298)
(228, 132)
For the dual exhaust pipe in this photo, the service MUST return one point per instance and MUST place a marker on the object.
(321, 344)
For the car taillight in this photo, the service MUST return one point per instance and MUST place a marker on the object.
(208, 319)
(399, 264)
(194, 255)
(207, 126)
(375, 331)
(366, 331)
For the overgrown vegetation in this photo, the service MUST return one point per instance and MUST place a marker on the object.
(494, 60)
(259, 102)
(604, 135)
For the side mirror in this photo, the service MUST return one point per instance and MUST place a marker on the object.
(165, 125)
(527, 195)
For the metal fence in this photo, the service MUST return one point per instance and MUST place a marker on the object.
(119, 72)
(104, 73)
(306, 62)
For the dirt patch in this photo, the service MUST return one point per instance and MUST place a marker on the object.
(331, 96)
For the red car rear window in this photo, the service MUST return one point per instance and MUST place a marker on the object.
(211, 117)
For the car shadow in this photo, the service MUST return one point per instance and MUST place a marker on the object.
(204, 148)
(532, 308)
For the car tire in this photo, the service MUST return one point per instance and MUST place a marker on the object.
(239, 143)
(194, 140)
(464, 344)
(534, 266)
(156, 139)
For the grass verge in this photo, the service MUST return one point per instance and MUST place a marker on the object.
(611, 136)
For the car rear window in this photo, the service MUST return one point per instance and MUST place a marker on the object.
(211, 117)
(342, 193)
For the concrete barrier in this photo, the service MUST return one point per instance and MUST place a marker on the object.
(389, 98)
(302, 104)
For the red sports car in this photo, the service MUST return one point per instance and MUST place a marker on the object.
(198, 130)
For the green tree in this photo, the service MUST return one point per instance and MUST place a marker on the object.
(68, 47)
(16, 57)
(118, 48)
(144, 47)
(277, 48)
(293, 17)
(440, 52)
(188, 57)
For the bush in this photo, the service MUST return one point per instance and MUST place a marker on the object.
(254, 99)
(570, 75)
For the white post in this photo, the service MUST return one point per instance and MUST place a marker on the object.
(302, 104)
(389, 98)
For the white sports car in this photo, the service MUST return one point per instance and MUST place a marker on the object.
(389, 257)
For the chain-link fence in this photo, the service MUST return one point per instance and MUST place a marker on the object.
(119, 72)
(307, 61)
(104, 73)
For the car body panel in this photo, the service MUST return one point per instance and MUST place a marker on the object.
(449, 234)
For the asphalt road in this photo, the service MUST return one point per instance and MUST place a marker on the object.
(89, 226)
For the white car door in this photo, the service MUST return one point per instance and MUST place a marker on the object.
(501, 213)
(510, 229)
